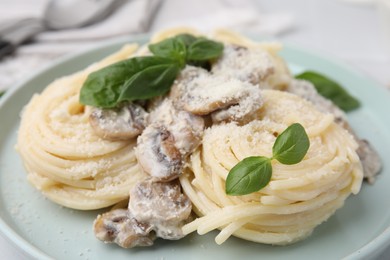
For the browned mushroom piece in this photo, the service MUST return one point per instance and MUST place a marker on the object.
(166, 142)
(249, 102)
(118, 226)
(183, 83)
(245, 64)
(200, 93)
(157, 154)
(121, 123)
(162, 205)
(370, 159)
(186, 127)
(188, 131)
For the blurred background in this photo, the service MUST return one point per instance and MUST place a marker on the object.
(356, 32)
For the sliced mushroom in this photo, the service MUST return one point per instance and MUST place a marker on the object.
(189, 76)
(188, 131)
(157, 154)
(201, 93)
(121, 123)
(250, 101)
(118, 226)
(244, 64)
(162, 205)
(186, 127)
(166, 142)
(370, 160)
(368, 156)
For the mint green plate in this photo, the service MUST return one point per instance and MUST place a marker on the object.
(42, 229)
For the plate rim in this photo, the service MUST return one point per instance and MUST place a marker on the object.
(372, 248)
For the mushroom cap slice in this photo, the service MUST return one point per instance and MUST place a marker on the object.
(370, 159)
(121, 123)
(162, 205)
(250, 100)
(200, 93)
(157, 154)
(166, 142)
(118, 226)
(186, 127)
(203, 93)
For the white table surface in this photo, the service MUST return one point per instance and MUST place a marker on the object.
(348, 32)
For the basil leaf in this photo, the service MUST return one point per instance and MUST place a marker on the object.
(291, 145)
(204, 49)
(150, 82)
(254, 173)
(102, 88)
(174, 48)
(188, 39)
(249, 175)
(331, 90)
(2, 93)
(147, 77)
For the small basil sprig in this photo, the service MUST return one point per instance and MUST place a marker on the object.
(141, 78)
(172, 48)
(203, 49)
(254, 173)
(120, 81)
(187, 49)
(330, 89)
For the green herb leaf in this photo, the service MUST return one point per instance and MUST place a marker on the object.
(254, 173)
(150, 76)
(188, 39)
(173, 48)
(204, 49)
(2, 93)
(187, 48)
(291, 145)
(331, 90)
(104, 87)
(249, 175)
(150, 82)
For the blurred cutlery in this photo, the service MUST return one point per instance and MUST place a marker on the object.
(58, 15)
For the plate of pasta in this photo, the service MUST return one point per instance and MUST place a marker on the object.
(228, 152)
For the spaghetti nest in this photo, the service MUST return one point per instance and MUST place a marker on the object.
(64, 158)
(72, 166)
(297, 199)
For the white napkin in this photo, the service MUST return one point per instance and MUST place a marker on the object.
(205, 15)
(132, 17)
